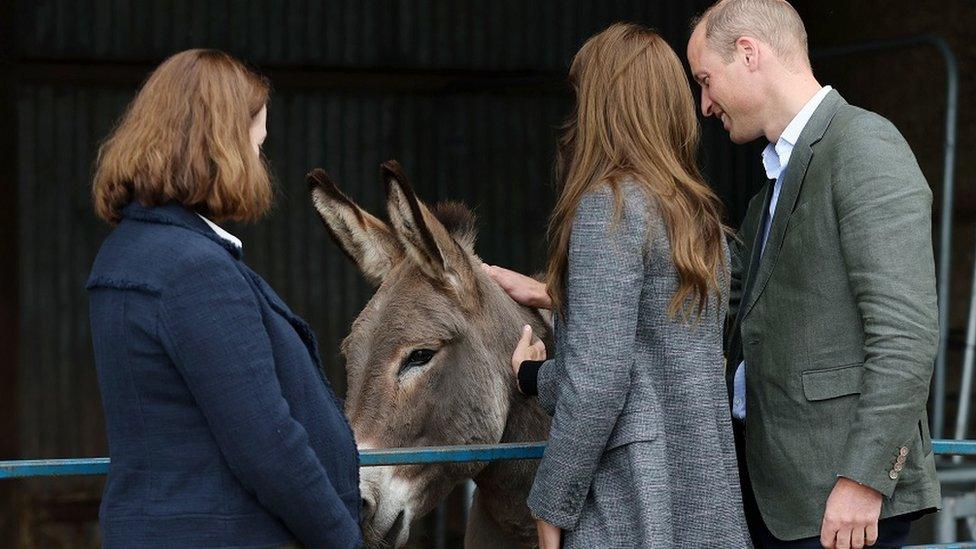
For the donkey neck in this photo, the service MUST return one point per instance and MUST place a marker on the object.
(526, 421)
(504, 485)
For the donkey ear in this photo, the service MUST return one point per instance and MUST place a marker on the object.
(425, 238)
(368, 241)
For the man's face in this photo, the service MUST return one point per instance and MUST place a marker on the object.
(729, 91)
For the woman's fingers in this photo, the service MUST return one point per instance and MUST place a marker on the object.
(528, 348)
(537, 350)
(525, 342)
(523, 289)
(523, 349)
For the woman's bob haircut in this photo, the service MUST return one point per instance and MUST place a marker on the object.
(186, 138)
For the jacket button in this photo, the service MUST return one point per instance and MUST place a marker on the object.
(893, 475)
(903, 451)
(898, 467)
(901, 459)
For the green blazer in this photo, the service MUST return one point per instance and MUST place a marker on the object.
(838, 324)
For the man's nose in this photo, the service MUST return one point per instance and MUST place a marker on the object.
(706, 104)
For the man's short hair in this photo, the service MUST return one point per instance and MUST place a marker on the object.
(774, 22)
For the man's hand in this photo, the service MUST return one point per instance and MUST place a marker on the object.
(549, 536)
(851, 517)
(527, 350)
(524, 290)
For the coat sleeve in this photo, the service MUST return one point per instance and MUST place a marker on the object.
(603, 286)
(547, 375)
(547, 386)
(883, 207)
(211, 326)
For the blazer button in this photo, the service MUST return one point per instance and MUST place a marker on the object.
(903, 451)
(898, 467)
(901, 459)
(893, 475)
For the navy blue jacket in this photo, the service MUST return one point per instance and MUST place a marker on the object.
(222, 430)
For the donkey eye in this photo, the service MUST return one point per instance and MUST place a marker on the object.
(417, 358)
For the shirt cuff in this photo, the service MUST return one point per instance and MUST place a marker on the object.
(528, 377)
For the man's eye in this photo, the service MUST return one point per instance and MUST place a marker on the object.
(418, 357)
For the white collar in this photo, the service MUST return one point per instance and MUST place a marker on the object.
(776, 157)
(223, 234)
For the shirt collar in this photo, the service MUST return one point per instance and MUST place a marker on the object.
(223, 234)
(776, 156)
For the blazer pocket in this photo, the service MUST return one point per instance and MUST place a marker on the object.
(832, 382)
(633, 426)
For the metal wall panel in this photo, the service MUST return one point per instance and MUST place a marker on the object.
(472, 34)
(58, 130)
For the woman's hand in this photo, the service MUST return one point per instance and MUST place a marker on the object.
(549, 536)
(524, 290)
(527, 349)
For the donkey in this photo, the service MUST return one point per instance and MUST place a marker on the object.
(428, 364)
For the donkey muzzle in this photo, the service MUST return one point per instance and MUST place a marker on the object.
(385, 512)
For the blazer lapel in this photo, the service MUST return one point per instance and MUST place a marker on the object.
(795, 173)
(757, 242)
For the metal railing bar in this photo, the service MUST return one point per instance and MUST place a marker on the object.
(375, 458)
(956, 545)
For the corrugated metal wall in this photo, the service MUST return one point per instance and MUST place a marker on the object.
(339, 33)
(484, 137)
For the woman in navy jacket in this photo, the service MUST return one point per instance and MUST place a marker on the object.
(222, 430)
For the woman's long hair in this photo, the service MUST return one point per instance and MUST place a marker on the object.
(186, 138)
(635, 118)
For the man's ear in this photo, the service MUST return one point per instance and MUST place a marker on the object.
(748, 49)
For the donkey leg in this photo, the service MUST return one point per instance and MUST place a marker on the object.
(483, 532)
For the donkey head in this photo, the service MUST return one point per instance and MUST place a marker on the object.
(427, 359)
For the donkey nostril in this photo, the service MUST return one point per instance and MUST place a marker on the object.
(393, 533)
(367, 509)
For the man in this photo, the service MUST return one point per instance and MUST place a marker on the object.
(833, 309)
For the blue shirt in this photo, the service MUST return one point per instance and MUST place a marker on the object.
(775, 159)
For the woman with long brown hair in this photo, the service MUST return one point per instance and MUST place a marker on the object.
(222, 430)
(640, 452)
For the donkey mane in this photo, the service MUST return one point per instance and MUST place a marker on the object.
(459, 220)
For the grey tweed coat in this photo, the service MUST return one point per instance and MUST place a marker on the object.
(640, 451)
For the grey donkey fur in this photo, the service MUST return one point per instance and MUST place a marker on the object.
(428, 364)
